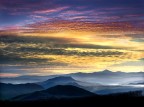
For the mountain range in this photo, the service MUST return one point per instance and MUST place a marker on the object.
(102, 83)
(105, 77)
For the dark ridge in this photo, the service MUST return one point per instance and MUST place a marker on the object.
(68, 90)
(56, 92)
(8, 91)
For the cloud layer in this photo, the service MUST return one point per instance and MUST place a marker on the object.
(28, 11)
(62, 36)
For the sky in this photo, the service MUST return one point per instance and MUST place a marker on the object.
(46, 37)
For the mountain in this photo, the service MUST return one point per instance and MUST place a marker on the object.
(56, 92)
(8, 91)
(107, 73)
(105, 77)
(67, 80)
(108, 77)
(60, 80)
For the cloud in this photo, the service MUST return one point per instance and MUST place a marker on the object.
(131, 63)
(91, 46)
(11, 70)
(87, 26)
(50, 10)
(11, 58)
(94, 10)
(54, 52)
(17, 46)
(142, 59)
(138, 40)
(76, 31)
(141, 35)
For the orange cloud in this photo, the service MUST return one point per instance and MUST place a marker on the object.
(8, 75)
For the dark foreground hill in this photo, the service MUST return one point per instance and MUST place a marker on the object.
(56, 92)
(90, 101)
(8, 91)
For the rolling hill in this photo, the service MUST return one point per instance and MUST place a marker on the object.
(8, 91)
(56, 92)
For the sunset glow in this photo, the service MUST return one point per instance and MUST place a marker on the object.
(68, 38)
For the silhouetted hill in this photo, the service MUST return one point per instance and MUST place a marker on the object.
(119, 99)
(69, 90)
(126, 94)
(117, 89)
(56, 92)
(8, 91)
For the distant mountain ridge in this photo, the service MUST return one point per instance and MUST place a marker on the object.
(79, 76)
(108, 77)
(106, 72)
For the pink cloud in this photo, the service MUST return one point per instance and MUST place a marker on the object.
(75, 12)
(50, 10)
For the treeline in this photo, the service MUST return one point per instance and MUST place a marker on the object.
(119, 99)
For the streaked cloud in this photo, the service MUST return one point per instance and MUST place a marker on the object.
(47, 11)
(63, 36)
(94, 10)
